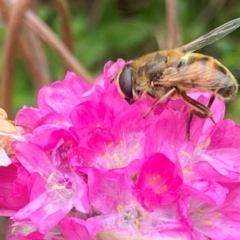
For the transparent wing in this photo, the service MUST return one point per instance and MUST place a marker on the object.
(196, 76)
(212, 36)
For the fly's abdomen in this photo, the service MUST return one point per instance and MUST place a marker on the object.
(211, 75)
(228, 92)
(228, 86)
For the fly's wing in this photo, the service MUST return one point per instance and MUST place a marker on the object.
(212, 36)
(197, 75)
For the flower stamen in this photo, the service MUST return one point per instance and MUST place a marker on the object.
(207, 222)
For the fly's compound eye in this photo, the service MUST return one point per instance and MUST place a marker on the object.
(126, 83)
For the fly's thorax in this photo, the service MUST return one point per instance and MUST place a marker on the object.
(147, 87)
(149, 65)
(150, 68)
(160, 91)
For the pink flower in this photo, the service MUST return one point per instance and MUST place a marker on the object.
(215, 222)
(14, 193)
(74, 228)
(60, 191)
(158, 182)
(202, 167)
(88, 164)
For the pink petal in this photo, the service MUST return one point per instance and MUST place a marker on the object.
(225, 161)
(36, 185)
(109, 72)
(91, 114)
(45, 211)
(158, 181)
(81, 199)
(207, 191)
(107, 190)
(14, 192)
(226, 135)
(33, 158)
(208, 171)
(62, 96)
(48, 136)
(74, 229)
(28, 117)
(25, 230)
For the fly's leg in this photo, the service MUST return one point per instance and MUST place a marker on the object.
(212, 98)
(188, 126)
(198, 109)
(161, 99)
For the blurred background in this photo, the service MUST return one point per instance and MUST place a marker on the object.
(92, 32)
(41, 40)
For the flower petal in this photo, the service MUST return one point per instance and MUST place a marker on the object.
(74, 229)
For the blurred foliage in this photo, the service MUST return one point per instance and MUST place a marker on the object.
(110, 29)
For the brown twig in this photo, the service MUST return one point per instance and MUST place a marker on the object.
(11, 42)
(174, 38)
(62, 8)
(4, 11)
(29, 49)
(64, 13)
(50, 37)
(32, 52)
(210, 10)
(95, 12)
